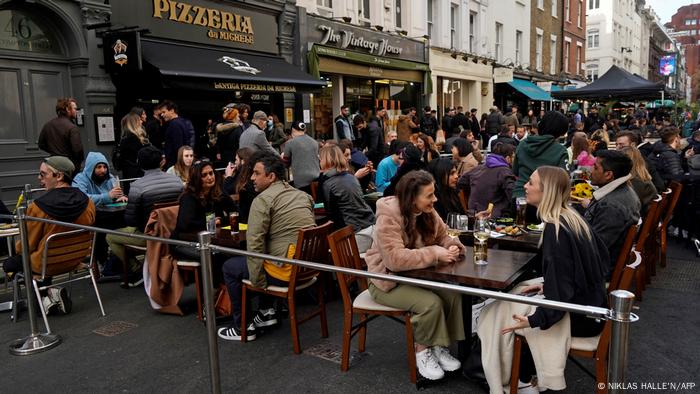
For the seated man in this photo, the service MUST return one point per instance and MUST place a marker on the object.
(665, 155)
(276, 216)
(60, 202)
(154, 187)
(389, 165)
(97, 181)
(615, 206)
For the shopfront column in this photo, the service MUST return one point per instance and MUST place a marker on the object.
(338, 94)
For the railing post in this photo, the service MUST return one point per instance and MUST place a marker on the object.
(205, 261)
(621, 302)
(35, 342)
(27, 195)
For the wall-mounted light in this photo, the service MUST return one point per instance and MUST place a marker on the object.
(454, 55)
(379, 27)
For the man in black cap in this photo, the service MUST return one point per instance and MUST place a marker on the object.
(60, 202)
(301, 154)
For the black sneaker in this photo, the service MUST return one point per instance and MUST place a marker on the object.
(233, 333)
(59, 295)
(135, 279)
(265, 318)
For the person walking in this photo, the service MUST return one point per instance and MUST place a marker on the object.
(60, 136)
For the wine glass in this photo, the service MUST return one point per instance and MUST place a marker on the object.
(453, 228)
(482, 231)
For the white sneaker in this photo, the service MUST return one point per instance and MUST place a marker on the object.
(59, 295)
(445, 359)
(428, 365)
(47, 303)
(527, 388)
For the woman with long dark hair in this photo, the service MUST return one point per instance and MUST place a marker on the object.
(463, 156)
(409, 235)
(445, 173)
(237, 182)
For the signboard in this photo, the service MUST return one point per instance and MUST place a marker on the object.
(201, 21)
(122, 52)
(546, 86)
(502, 74)
(345, 36)
(667, 65)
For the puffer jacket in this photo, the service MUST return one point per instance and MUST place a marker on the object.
(342, 195)
(666, 161)
(389, 252)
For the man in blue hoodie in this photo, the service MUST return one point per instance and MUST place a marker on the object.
(97, 182)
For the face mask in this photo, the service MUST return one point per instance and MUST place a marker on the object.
(269, 123)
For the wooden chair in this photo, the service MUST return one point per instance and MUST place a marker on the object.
(676, 189)
(595, 348)
(312, 245)
(464, 199)
(624, 257)
(65, 253)
(654, 236)
(649, 223)
(345, 255)
(133, 251)
(314, 190)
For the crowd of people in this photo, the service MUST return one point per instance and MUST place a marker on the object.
(269, 177)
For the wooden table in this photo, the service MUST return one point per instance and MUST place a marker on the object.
(504, 269)
(226, 239)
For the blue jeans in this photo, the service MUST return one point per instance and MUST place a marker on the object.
(235, 270)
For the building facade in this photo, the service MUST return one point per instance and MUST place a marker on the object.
(684, 27)
(574, 45)
(546, 39)
(461, 69)
(613, 30)
(201, 54)
(372, 54)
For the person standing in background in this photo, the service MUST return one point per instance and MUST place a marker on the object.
(60, 136)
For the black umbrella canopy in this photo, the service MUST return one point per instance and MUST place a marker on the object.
(615, 84)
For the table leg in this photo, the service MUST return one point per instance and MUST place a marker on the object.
(464, 347)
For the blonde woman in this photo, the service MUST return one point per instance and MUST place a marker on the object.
(574, 266)
(641, 179)
(132, 140)
(185, 157)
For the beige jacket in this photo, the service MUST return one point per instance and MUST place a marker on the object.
(389, 253)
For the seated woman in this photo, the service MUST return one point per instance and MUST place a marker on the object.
(574, 266)
(581, 151)
(185, 157)
(492, 182)
(411, 160)
(411, 235)
(445, 174)
(463, 156)
(641, 179)
(599, 141)
(201, 198)
(357, 163)
(237, 182)
(426, 146)
(342, 196)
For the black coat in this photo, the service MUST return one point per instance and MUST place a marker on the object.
(574, 271)
(666, 161)
(129, 147)
(342, 196)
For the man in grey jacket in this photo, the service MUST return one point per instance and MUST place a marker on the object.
(254, 136)
(615, 206)
(154, 187)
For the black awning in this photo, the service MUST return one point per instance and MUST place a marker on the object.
(204, 68)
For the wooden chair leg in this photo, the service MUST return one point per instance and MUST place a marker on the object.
(125, 271)
(198, 290)
(515, 368)
(244, 306)
(362, 334)
(601, 375)
(294, 326)
(663, 248)
(410, 349)
(639, 284)
(347, 328)
(322, 306)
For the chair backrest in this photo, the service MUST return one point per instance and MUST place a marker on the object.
(464, 199)
(164, 204)
(65, 251)
(312, 245)
(624, 284)
(314, 190)
(676, 189)
(345, 255)
(649, 223)
(623, 258)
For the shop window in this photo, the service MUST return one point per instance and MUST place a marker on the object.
(472, 32)
(21, 31)
(10, 111)
(450, 94)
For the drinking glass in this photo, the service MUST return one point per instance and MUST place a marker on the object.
(482, 231)
(471, 219)
(520, 207)
(453, 229)
(233, 221)
(115, 182)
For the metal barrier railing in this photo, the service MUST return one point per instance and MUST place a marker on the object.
(620, 315)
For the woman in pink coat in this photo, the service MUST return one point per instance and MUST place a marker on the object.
(409, 234)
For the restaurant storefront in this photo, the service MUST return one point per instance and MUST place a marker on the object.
(204, 54)
(460, 81)
(365, 69)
